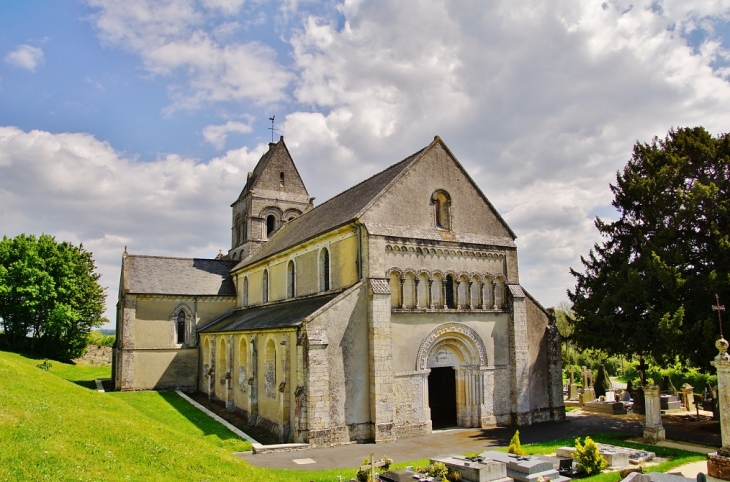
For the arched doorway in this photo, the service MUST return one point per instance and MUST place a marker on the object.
(453, 355)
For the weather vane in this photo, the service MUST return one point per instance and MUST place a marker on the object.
(718, 307)
(272, 128)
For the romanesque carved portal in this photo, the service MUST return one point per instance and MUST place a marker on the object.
(452, 358)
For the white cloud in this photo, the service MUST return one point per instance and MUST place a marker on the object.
(175, 37)
(25, 57)
(541, 102)
(82, 190)
(216, 135)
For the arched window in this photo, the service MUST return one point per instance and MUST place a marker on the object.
(442, 209)
(244, 294)
(242, 363)
(324, 270)
(450, 292)
(270, 224)
(281, 180)
(265, 287)
(243, 229)
(181, 327)
(291, 278)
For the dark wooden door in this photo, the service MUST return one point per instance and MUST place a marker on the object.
(442, 397)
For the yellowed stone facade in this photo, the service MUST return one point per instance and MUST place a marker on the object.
(387, 311)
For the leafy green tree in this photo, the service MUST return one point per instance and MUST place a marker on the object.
(50, 297)
(647, 290)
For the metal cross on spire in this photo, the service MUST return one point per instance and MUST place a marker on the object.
(718, 307)
(272, 128)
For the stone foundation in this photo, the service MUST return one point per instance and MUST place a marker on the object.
(327, 437)
(413, 430)
(718, 466)
(654, 434)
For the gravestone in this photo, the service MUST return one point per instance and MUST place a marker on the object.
(572, 386)
(639, 401)
(689, 397)
(669, 403)
(653, 429)
(589, 394)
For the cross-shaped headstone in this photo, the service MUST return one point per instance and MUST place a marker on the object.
(371, 466)
(718, 307)
(642, 371)
(571, 370)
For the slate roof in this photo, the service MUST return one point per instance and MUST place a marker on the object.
(335, 212)
(281, 315)
(177, 276)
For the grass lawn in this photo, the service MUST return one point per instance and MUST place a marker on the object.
(55, 426)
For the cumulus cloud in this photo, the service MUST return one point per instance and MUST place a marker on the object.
(216, 135)
(25, 57)
(180, 37)
(83, 190)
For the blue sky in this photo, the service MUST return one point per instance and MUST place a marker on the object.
(134, 123)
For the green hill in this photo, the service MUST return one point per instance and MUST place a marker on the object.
(53, 426)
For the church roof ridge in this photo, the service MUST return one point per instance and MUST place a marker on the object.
(334, 212)
(189, 258)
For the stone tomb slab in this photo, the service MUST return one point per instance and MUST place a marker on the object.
(615, 456)
(475, 469)
(304, 461)
(612, 408)
(527, 468)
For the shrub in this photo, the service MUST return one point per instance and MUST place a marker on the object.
(438, 469)
(603, 382)
(515, 447)
(95, 337)
(46, 365)
(588, 459)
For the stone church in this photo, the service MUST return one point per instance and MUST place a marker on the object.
(390, 310)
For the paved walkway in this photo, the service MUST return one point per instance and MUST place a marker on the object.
(444, 442)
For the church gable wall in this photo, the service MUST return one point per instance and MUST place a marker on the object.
(409, 201)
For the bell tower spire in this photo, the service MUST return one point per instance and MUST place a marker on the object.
(274, 194)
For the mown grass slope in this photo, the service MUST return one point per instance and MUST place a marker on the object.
(55, 429)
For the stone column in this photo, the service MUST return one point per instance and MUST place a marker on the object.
(494, 295)
(415, 292)
(470, 291)
(430, 293)
(653, 430)
(402, 294)
(718, 463)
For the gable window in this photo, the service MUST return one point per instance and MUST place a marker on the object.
(270, 224)
(181, 327)
(291, 279)
(324, 269)
(265, 287)
(281, 180)
(441, 202)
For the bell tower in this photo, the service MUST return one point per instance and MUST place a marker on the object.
(274, 194)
